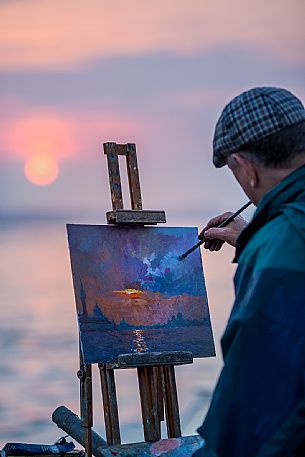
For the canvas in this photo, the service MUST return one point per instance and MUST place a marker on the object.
(134, 295)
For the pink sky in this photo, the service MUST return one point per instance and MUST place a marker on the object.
(78, 73)
(54, 34)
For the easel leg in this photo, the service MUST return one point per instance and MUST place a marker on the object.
(148, 386)
(110, 405)
(85, 376)
(171, 402)
(160, 401)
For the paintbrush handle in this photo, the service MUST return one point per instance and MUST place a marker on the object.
(185, 254)
(233, 216)
(223, 224)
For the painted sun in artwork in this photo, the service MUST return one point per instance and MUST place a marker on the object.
(129, 293)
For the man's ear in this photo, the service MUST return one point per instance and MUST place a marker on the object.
(248, 168)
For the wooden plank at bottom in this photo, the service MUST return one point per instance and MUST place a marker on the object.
(74, 453)
(179, 447)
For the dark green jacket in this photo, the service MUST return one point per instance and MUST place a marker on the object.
(258, 407)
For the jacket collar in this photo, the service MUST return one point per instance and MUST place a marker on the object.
(271, 205)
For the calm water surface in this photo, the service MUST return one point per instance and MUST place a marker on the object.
(39, 340)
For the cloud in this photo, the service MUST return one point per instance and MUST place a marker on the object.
(59, 35)
(132, 83)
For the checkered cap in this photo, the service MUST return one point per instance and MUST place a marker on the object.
(251, 116)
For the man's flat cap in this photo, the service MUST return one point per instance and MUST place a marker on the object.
(252, 116)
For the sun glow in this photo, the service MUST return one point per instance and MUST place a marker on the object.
(41, 132)
(41, 169)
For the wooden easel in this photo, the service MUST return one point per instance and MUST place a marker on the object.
(156, 371)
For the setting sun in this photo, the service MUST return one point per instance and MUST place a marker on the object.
(41, 169)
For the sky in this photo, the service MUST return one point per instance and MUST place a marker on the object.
(75, 74)
(78, 73)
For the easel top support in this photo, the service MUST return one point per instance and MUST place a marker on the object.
(135, 216)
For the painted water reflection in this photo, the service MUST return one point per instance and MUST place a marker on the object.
(38, 340)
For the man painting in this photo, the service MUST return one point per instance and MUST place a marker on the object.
(258, 406)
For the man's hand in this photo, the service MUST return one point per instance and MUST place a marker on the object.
(216, 237)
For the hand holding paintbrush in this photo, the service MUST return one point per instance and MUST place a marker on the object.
(213, 237)
(214, 234)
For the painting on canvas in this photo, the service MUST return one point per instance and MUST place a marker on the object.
(133, 294)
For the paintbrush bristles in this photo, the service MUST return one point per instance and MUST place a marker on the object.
(185, 254)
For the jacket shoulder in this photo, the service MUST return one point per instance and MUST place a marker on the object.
(279, 244)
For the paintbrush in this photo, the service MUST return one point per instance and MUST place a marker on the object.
(223, 224)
